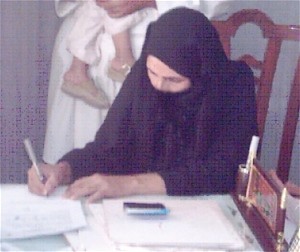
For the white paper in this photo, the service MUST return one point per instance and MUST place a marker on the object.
(93, 237)
(25, 215)
(190, 224)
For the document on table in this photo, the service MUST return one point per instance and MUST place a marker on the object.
(25, 215)
(190, 224)
(93, 237)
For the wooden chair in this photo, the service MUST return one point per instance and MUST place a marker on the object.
(275, 35)
(289, 128)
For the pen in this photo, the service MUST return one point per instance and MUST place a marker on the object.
(32, 157)
(252, 152)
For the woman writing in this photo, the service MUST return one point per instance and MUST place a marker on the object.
(71, 122)
(181, 124)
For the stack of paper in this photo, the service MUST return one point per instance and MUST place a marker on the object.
(94, 236)
(190, 224)
(26, 215)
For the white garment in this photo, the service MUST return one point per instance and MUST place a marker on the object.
(71, 123)
(91, 22)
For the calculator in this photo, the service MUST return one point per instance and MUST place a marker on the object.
(137, 208)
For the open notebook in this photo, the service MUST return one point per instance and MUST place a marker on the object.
(190, 224)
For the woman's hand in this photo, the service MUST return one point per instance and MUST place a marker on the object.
(54, 175)
(121, 8)
(100, 186)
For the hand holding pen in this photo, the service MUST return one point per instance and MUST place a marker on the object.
(44, 178)
(32, 157)
(39, 187)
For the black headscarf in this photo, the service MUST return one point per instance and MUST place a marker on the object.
(194, 139)
(186, 41)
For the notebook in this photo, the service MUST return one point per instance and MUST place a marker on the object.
(191, 223)
(25, 215)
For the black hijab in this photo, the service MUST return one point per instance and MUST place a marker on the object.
(186, 41)
(185, 134)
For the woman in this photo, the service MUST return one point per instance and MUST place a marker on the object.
(71, 123)
(180, 125)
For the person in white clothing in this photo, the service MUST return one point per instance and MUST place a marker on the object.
(82, 42)
(71, 122)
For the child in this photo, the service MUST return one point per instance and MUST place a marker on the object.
(91, 21)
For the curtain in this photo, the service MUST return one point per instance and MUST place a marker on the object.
(27, 36)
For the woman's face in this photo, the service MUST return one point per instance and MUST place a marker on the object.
(165, 79)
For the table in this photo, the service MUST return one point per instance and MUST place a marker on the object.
(59, 243)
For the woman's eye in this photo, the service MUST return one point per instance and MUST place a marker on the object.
(151, 72)
(174, 80)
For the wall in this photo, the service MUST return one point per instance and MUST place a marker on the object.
(27, 35)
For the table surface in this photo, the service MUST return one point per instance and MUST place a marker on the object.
(59, 243)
